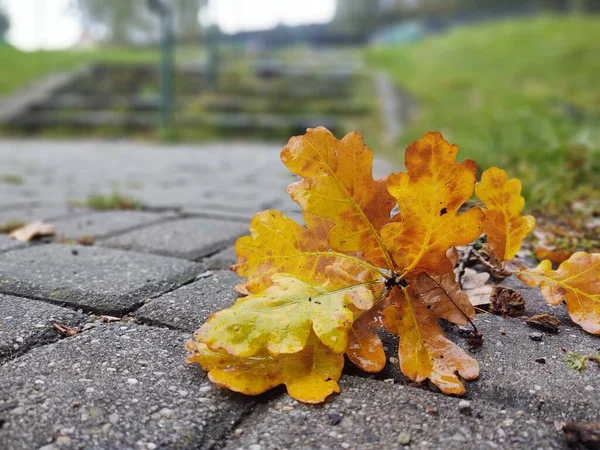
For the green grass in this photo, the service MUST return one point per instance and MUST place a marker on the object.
(19, 68)
(113, 201)
(523, 95)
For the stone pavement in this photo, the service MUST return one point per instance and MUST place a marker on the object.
(159, 273)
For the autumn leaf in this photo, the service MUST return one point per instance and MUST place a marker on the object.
(429, 195)
(504, 225)
(364, 348)
(277, 244)
(443, 295)
(281, 318)
(309, 375)
(576, 282)
(424, 351)
(338, 185)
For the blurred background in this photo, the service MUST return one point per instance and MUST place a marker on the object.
(514, 82)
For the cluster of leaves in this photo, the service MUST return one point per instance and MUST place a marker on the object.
(318, 292)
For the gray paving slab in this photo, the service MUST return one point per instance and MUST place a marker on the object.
(189, 306)
(97, 279)
(25, 324)
(36, 213)
(372, 414)
(189, 238)
(221, 260)
(113, 387)
(103, 224)
(511, 373)
(8, 244)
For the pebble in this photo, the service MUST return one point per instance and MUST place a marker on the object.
(255, 447)
(132, 381)
(334, 417)
(113, 418)
(464, 407)
(589, 388)
(238, 432)
(403, 439)
(536, 336)
(151, 446)
(541, 360)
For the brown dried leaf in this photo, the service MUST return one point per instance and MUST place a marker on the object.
(32, 231)
(507, 302)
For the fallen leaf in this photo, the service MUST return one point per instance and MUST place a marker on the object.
(474, 285)
(277, 244)
(429, 196)
(309, 375)
(66, 330)
(281, 318)
(504, 225)
(443, 295)
(576, 282)
(424, 351)
(586, 434)
(544, 322)
(507, 302)
(32, 231)
(365, 349)
(338, 185)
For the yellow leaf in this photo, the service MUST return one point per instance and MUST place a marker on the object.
(309, 375)
(443, 295)
(504, 225)
(281, 318)
(338, 185)
(429, 195)
(576, 282)
(277, 244)
(365, 349)
(424, 352)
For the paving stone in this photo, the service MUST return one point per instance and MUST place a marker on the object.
(115, 386)
(25, 324)
(510, 374)
(189, 306)
(104, 280)
(189, 238)
(106, 223)
(34, 213)
(371, 414)
(8, 244)
(221, 260)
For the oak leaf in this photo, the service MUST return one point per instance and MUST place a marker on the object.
(504, 225)
(576, 282)
(429, 196)
(281, 318)
(338, 185)
(364, 348)
(277, 244)
(443, 295)
(309, 375)
(424, 351)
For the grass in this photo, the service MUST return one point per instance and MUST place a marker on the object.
(25, 67)
(112, 201)
(10, 178)
(523, 95)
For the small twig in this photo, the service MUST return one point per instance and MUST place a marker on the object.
(497, 272)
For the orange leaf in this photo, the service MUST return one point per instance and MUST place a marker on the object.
(338, 185)
(576, 282)
(309, 375)
(429, 196)
(424, 350)
(365, 349)
(503, 225)
(443, 295)
(277, 244)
